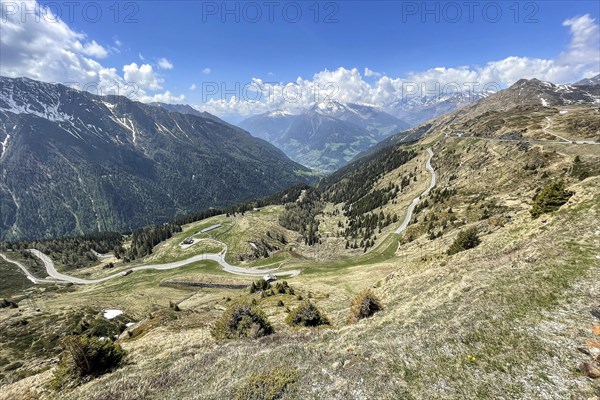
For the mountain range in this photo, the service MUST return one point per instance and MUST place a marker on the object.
(72, 162)
(327, 135)
(419, 109)
(593, 81)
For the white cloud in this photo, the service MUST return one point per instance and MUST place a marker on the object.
(580, 59)
(370, 73)
(163, 63)
(165, 97)
(92, 49)
(193, 87)
(143, 76)
(56, 53)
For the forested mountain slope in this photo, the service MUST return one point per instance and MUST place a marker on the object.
(72, 162)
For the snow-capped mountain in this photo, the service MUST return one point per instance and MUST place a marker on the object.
(416, 110)
(327, 135)
(366, 116)
(533, 92)
(73, 162)
(594, 81)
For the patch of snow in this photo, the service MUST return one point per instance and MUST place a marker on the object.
(563, 111)
(129, 324)
(5, 144)
(280, 113)
(50, 112)
(31, 279)
(544, 102)
(110, 314)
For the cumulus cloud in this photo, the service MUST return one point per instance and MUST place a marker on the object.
(370, 73)
(56, 53)
(41, 46)
(166, 97)
(143, 76)
(163, 63)
(193, 86)
(92, 49)
(580, 59)
(53, 51)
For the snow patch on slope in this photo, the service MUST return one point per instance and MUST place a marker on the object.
(50, 112)
(5, 144)
(110, 314)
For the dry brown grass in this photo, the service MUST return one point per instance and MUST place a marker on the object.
(503, 320)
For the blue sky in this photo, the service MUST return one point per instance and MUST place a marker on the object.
(394, 40)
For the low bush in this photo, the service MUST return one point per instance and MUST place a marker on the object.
(267, 385)
(284, 288)
(242, 320)
(581, 170)
(307, 314)
(364, 305)
(86, 357)
(465, 240)
(259, 285)
(550, 198)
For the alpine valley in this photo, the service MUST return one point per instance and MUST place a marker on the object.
(75, 163)
(327, 135)
(383, 244)
(450, 235)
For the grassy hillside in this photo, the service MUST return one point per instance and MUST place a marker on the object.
(511, 317)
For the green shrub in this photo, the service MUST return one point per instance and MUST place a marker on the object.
(86, 357)
(242, 320)
(307, 314)
(284, 288)
(581, 170)
(550, 198)
(364, 305)
(465, 240)
(259, 285)
(267, 385)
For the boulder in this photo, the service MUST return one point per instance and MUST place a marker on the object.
(591, 370)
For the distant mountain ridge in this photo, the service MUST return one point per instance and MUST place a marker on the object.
(72, 162)
(588, 81)
(486, 115)
(327, 135)
(418, 109)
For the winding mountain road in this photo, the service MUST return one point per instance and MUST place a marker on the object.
(217, 257)
(546, 130)
(26, 271)
(411, 207)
